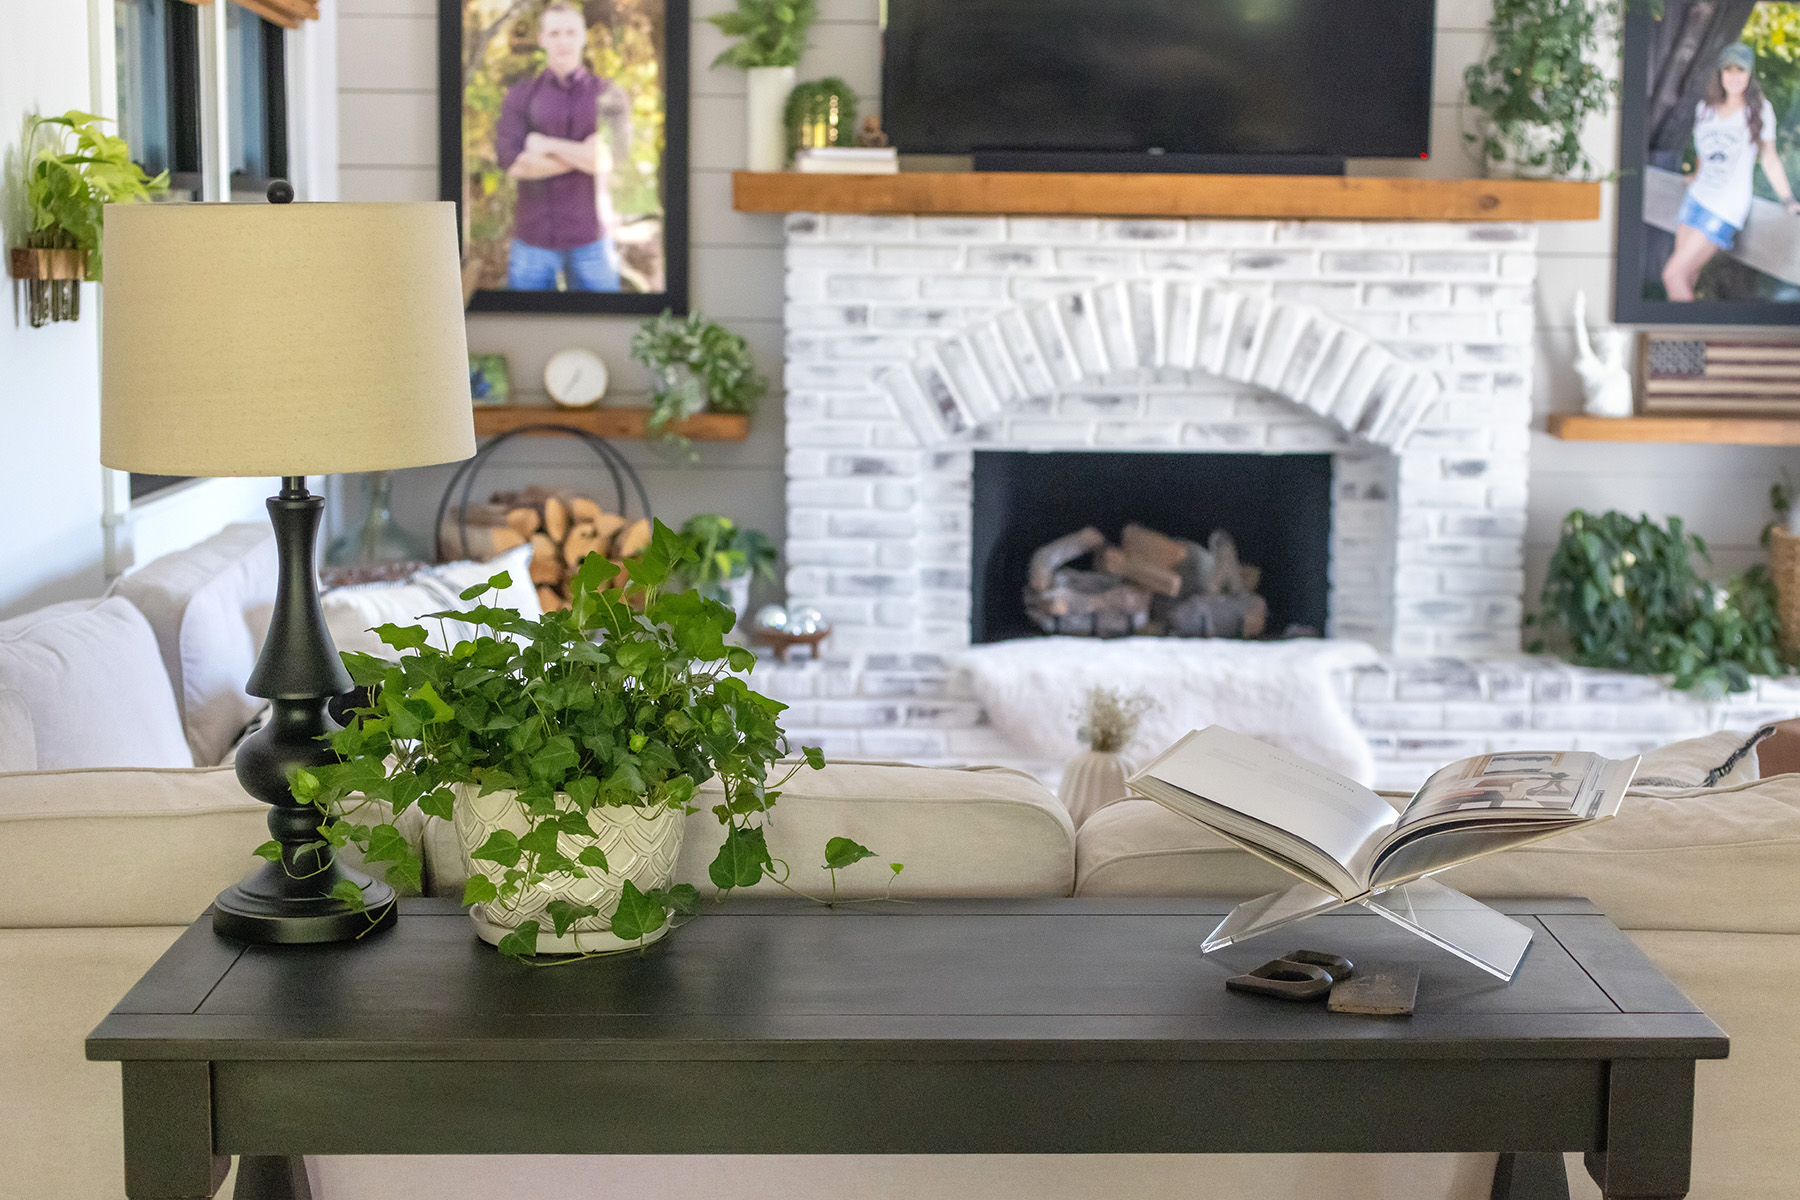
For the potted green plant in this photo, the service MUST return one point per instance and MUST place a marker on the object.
(567, 752)
(772, 36)
(726, 559)
(819, 113)
(73, 170)
(1624, 592)
(1539, 84)
(699, 366)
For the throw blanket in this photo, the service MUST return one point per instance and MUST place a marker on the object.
(1280, 692)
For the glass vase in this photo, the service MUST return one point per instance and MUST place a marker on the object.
(379, 538)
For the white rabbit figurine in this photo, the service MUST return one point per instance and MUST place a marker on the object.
(1606, 382)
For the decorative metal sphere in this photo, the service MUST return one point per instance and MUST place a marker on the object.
(772, 617)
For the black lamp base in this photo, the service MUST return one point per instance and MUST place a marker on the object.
(260, 910)
(297, 899)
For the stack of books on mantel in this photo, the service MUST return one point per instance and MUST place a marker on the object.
(848, 160)
(1721, 377)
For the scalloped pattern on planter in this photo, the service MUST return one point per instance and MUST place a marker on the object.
(639, 846)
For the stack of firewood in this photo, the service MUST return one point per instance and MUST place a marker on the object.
(1149, 583)
(562, 529)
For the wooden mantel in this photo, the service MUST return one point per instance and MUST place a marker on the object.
(1282, 197)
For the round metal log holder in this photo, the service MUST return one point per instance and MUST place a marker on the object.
(622, 473)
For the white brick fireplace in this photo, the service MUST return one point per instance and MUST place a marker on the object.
(1401, 348)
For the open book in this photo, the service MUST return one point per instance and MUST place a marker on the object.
(1338, 835)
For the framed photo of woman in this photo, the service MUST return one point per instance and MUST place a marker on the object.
(1709, 226)
(562, 128)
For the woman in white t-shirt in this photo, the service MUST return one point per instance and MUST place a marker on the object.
(1734, 130)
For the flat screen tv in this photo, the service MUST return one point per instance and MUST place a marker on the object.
(1329, 78)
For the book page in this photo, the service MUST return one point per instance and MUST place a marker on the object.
(1335, 814)
(1534, 785)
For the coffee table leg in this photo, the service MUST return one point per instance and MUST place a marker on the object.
(168, 1132)
(271, 1177)
(1530, 1177)
(1649, 1130)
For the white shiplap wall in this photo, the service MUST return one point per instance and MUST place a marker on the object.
(388, 140)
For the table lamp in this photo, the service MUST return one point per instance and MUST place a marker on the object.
(286, 340)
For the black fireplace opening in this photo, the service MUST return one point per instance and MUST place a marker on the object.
(1276, 507)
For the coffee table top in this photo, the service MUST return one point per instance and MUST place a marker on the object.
(789, 980)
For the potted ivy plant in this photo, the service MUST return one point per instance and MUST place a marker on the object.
(699, 366)
(566, 751)
(1539, 84)
(73, 170)
(726, 559)
(772, 36)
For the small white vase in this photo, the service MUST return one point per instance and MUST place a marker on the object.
(1533, 140)
(640, 846)
(765, 132)
(1092, 780)
(738, 590)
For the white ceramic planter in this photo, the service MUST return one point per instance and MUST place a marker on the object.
(1536, 139)
(639, 846)
(1092, 780)
(739, 591)
(765, 133)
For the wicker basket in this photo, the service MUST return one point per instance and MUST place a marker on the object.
(1784, 565)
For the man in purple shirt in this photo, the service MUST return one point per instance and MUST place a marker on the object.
(548, 141)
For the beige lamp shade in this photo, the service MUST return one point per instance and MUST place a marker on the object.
(282, 339)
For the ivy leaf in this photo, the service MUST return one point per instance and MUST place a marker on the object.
(402, 637)
(741, 859)
(593, 856)
(684, 898)
(637, 915)
(840, 852)
(521, 943)
(386, 844)
(407, 874)
(479, 889)
(556, 759)
(440, 803)
(815, 757)
(349, 893)
(501, 847)
(269, 850)
(563, 915)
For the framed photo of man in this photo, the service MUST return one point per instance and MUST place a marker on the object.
(563, 141)
(1709, 224)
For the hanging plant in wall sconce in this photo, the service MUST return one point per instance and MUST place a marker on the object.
(70, 178)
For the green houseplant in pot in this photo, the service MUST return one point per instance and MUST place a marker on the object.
(567, 751)
(1539, 84)
(772, 36)
(1625, 594)
(73, 170)
(726, 558)
(699, 366)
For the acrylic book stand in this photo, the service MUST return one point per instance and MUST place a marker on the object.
(1442, 916)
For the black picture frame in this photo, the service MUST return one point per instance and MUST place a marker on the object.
(1636, 239)
(673, 181)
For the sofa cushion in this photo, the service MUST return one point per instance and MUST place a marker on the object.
(201, 603)
(1719, 859)
(122, 846)
(91, 681)
(979, 831)
(18, 745)
(352, 613)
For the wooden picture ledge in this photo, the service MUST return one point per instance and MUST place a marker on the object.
(1716, 430)
(1269, 197)
(618, 422)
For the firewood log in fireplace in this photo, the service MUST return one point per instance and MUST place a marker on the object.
(1151, 583)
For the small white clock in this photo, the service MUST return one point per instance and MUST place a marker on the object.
(576, 377)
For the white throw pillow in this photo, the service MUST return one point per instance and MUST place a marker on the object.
(91, 680)
(353, 613)
(202, 602)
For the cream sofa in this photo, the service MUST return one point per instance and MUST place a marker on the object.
(106, 861)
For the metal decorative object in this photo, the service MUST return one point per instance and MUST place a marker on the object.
(52, 276)
(296, 899)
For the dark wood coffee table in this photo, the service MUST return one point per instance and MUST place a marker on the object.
(943, 1027)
